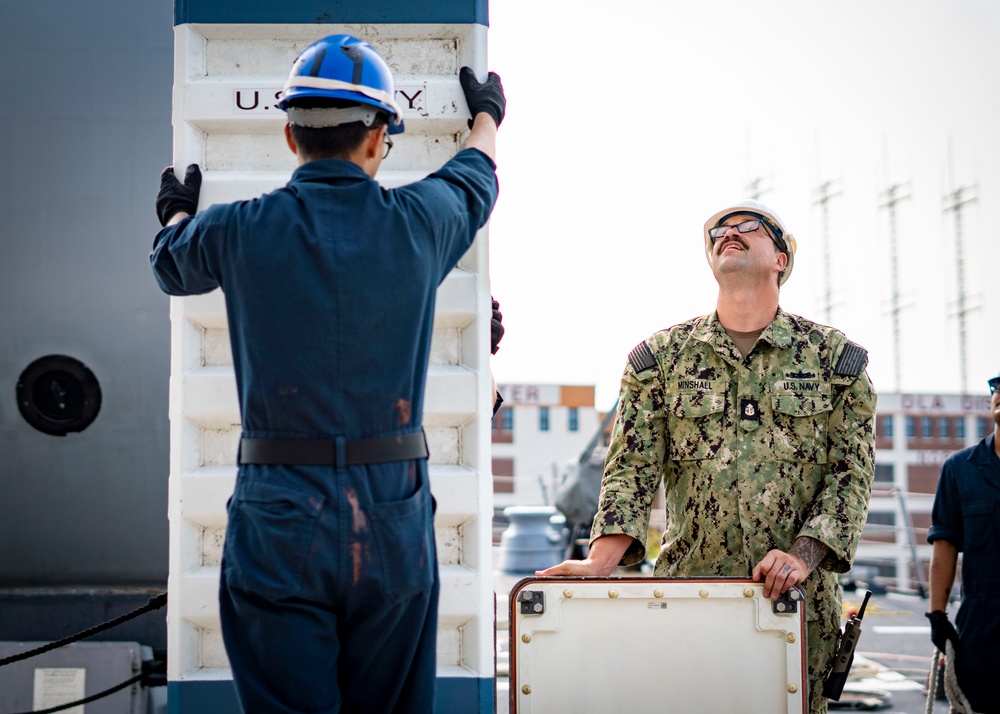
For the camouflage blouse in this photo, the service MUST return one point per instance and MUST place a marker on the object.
(752, 452)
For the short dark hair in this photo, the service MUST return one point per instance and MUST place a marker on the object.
(332, 142)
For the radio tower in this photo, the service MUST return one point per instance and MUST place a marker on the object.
(892, 196)
(825, 194)
(954, 201)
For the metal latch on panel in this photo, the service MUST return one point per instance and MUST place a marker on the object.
(532, 602)
(788, 602)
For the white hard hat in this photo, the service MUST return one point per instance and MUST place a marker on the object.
(785, 240)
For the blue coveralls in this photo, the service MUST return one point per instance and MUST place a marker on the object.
(329, 584)
(966, 513)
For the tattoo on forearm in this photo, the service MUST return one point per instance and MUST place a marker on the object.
(810, 550)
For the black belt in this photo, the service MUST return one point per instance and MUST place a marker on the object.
(349, 452)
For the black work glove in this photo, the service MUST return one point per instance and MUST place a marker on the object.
(176, 197)
(486, 97)
(942, 630)
(496, 327)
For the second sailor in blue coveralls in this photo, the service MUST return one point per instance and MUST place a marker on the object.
(329, 583)
(966, 518)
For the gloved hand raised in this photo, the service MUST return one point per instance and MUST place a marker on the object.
(942, 630)
(496, 327)
(483, 97)
(176, 197)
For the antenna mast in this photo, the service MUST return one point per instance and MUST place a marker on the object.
(954, 201)
(755, 189)
(825, 194)
(892, 197)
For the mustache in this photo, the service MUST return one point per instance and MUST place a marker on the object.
(734, 239)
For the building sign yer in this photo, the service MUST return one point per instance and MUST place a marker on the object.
(540, 394)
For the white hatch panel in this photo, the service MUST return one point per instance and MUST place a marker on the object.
(655, 645)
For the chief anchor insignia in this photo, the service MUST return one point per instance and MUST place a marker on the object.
(749, 409)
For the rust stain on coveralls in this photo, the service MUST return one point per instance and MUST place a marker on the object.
(359, 522)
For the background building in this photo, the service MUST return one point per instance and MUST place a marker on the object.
(915, 433)
(537, 431)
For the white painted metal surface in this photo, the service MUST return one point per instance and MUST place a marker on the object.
(226, 78)
(654, 644)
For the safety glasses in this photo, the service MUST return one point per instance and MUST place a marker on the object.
(744, 227)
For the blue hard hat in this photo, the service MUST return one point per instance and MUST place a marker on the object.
(343, 67)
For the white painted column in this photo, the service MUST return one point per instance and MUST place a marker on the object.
(227, 77)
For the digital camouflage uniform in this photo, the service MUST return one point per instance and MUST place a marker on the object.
(753, 453)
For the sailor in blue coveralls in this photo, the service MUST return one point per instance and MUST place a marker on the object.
(966, 518)
(329, 585)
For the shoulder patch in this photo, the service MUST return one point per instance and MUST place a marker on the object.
(641, 358)
(852, 360)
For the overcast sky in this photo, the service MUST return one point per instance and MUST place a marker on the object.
(629, 123)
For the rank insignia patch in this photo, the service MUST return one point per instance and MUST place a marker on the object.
(749, 409)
